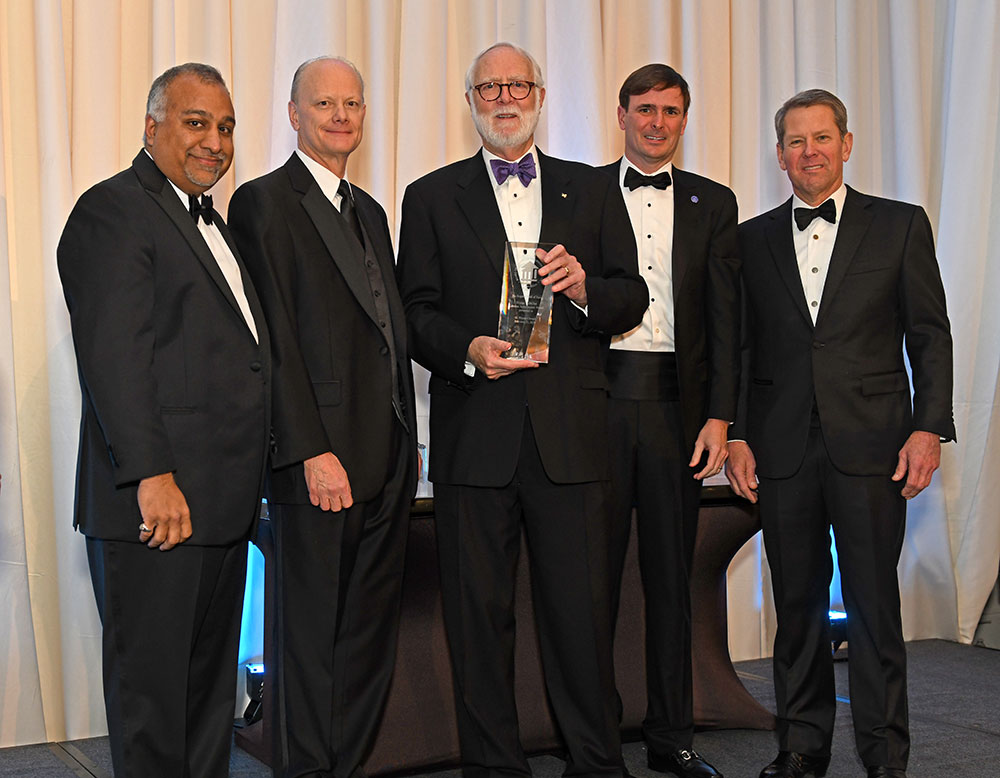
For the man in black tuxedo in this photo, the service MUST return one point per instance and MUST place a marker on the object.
(344, 449)
(831, 299)
(513, 442)
(174, 369)
(673, 382)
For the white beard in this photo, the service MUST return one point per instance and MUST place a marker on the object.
(512, 139)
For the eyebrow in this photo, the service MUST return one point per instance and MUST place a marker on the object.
(207, 115)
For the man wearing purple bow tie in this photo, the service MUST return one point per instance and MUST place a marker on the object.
(516, 444)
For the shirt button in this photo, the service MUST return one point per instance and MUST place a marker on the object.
(813, 304)
(815, 269)
(652, 299)
(519, 224)
(382, 323)
(515, 194)
(377, 293)
(649, 267)
(649, 236)
(384, 350)
(815, 237)
(369, 263)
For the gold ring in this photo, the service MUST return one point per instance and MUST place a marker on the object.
(566, 268)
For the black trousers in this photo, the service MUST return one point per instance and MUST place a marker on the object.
(868, 516)
(171, 623)
(339, 585)
(479, 540)
(650, 473)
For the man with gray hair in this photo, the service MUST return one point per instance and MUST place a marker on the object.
(514, 443)
(344, 447)
(836, 284)
(174, 365)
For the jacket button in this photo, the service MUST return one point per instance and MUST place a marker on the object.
(384, 350)
(255, 366)
(818, 344)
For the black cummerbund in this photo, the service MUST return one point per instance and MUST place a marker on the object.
(642, 375)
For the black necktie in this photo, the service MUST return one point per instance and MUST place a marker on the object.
(634, 179)
(202, 208)
(348, 211)
(804, 216)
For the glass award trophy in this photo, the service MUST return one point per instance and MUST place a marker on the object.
(525, 303)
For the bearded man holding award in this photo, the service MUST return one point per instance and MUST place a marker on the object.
(517, 443)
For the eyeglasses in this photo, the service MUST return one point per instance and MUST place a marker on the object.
(491, 90)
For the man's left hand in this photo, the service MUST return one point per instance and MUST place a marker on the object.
(919, 457)
(564, 274)
(711, 439)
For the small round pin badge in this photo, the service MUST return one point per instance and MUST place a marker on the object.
(694, 198)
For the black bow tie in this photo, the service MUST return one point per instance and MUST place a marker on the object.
(804, 216)
(202, 209)
(634, 179)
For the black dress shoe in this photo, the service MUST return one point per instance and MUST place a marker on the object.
(685, 762)
(886, 772)
(790, 764)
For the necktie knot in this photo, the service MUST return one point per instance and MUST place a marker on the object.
(634, 179)
(348, 211)
(805, 216)
(524, 169)
(202, 208)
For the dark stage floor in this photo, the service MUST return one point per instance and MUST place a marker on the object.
(954, 722)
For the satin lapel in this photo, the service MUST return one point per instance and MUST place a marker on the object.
(687, 216)
(558, 198)
(160, 190)
(343, 248)
(476, 199)
(779, 238)
(854, 223)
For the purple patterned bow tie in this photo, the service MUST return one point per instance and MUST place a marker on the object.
(523, 169)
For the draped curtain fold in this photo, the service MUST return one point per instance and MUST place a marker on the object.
(921, 80)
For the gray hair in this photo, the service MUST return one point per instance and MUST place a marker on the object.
(156, 102)
(536, 70)
(807, 99)
(297, 78)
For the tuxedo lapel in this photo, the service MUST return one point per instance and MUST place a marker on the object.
(159, 188)
(344, 249)
(687, 219)
(779, 239)
(854, 223)
(479, 204)
(558, 197)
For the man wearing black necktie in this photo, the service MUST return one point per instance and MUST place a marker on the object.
(673, 384)
(514, 443)
(174, 363)
(344, 448)
(826, 434)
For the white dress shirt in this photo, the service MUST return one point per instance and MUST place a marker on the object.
(813, 249)
(651, 212)
(328, 181)
(225, 260)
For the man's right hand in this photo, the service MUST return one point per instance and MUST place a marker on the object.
(164, 512)
(326, 479)
(484, 352)
(741, 470)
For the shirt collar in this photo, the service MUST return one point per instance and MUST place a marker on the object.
(184, 196)
(627, 163)
(838, 197)
(328, 181)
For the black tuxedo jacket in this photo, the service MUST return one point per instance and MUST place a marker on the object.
(883, 288)
(332, 362)
(171, 377)
(451, 250)
(705, 269)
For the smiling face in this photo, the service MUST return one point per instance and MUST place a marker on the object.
(813, 152)
(193, 144)
(653, 124)
(329, 113)
(507, 126)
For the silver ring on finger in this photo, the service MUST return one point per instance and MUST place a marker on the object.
(144, 528)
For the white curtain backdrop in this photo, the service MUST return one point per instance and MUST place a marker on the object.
(921, 80)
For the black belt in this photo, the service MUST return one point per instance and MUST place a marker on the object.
(643, 375)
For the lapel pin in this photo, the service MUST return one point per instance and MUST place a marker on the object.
(564, 194)
(694, 198)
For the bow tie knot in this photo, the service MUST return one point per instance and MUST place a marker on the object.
(634, 179)
(805, 216)
(524, 169)
(202, 208)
